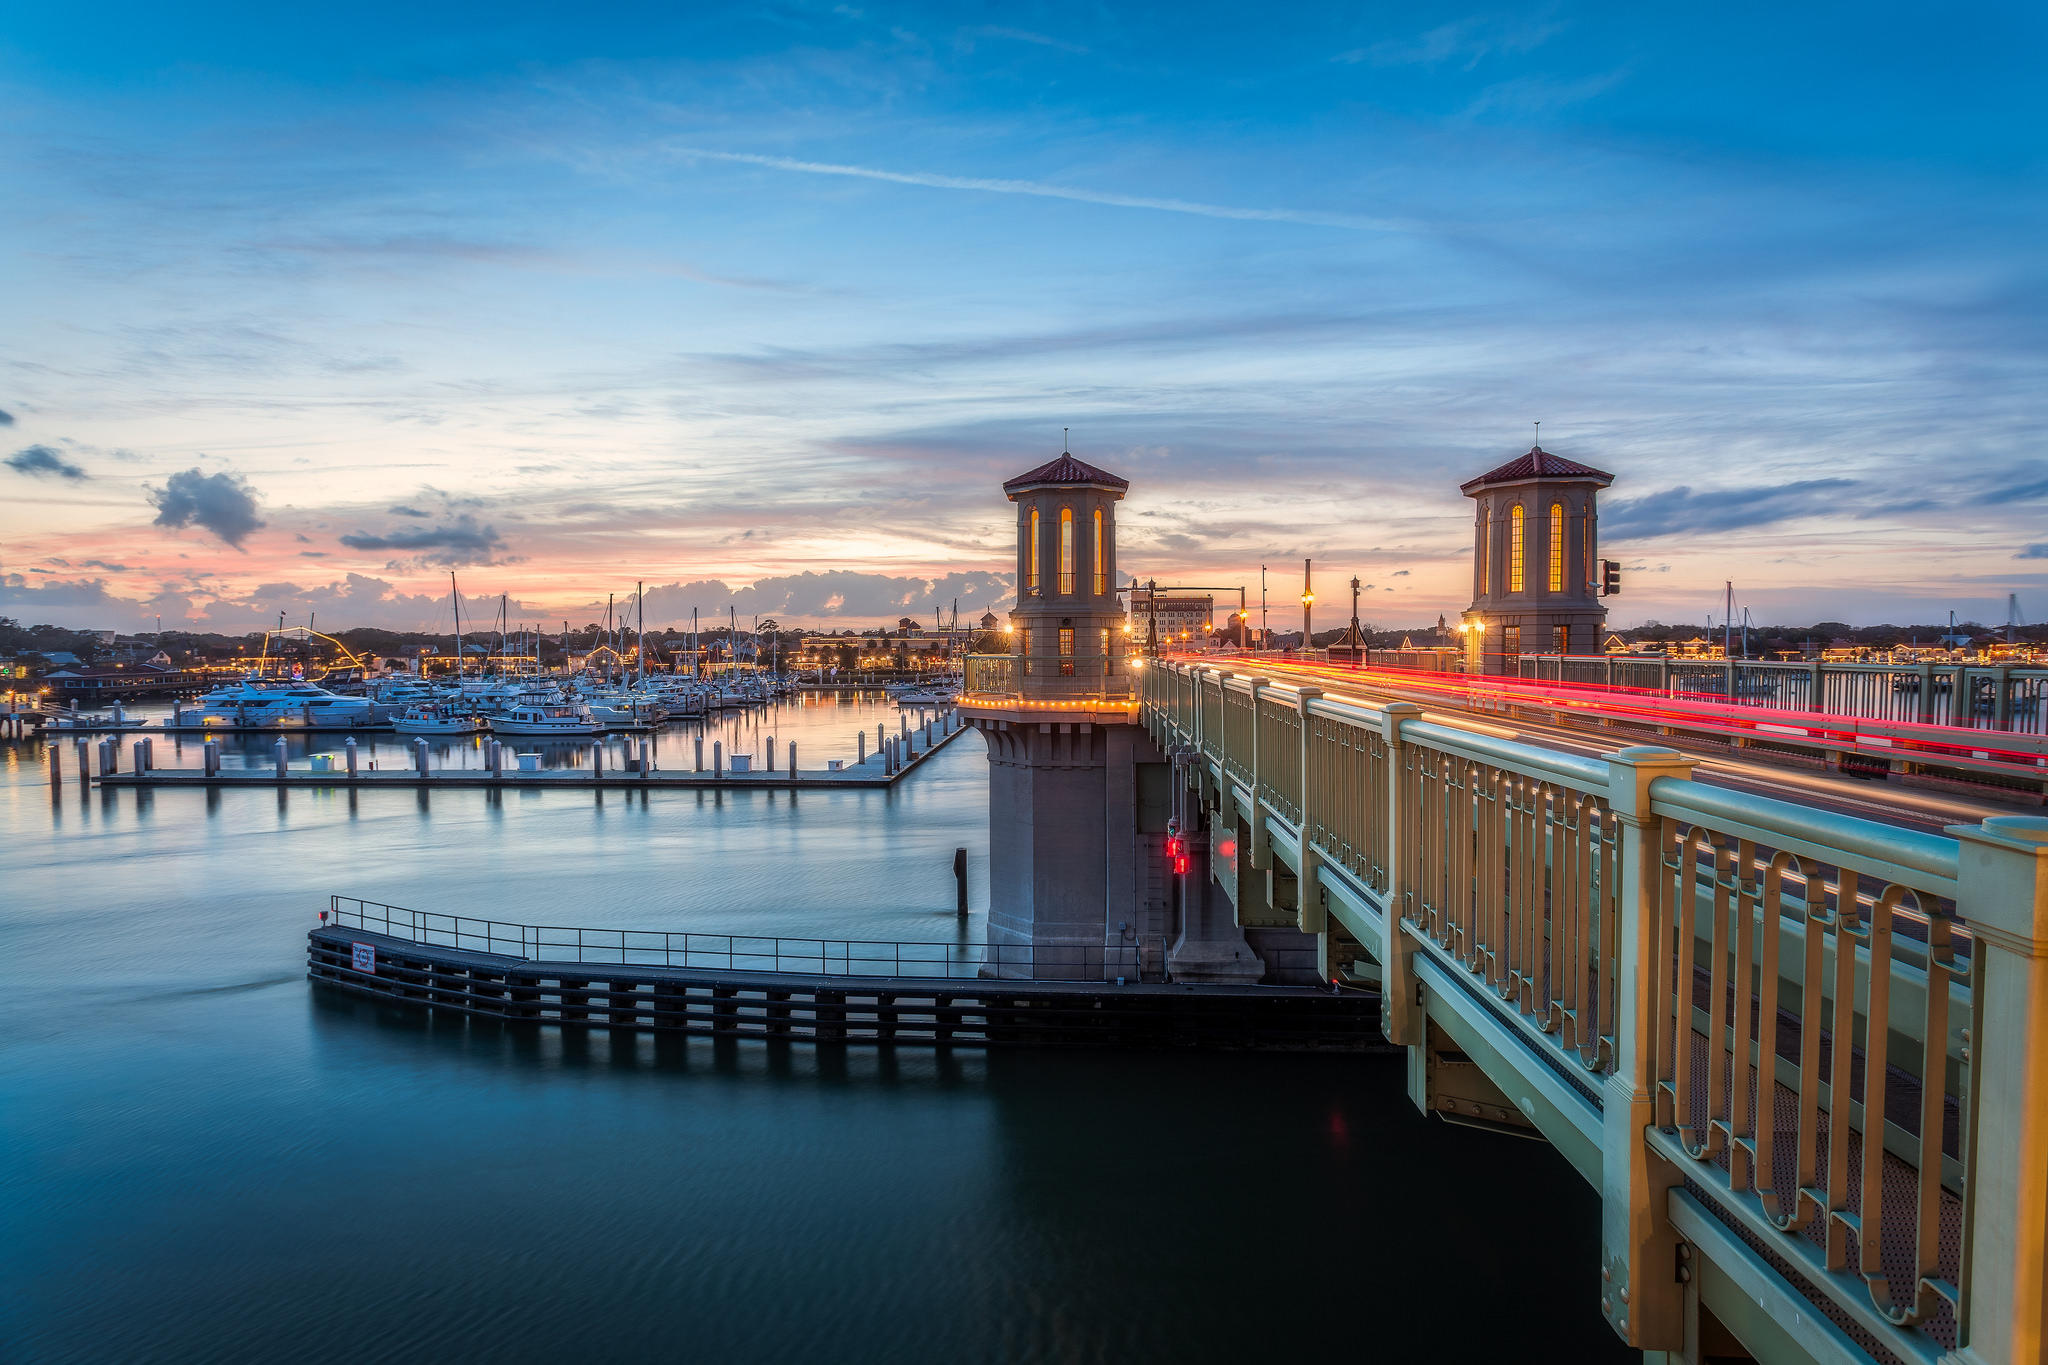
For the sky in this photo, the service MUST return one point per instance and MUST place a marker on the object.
(305, 307)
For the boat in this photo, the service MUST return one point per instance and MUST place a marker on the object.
(927, 696)
(547, 718)
(257, 704)
(438, 718)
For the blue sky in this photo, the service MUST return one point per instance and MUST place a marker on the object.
(759, 304)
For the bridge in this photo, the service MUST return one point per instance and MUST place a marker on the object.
(1802, 1056)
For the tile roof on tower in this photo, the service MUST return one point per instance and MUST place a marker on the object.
(1538, 463)
(1065, 470)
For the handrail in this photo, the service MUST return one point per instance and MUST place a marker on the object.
(554, 943)
(1810, 831)
(1721, 959)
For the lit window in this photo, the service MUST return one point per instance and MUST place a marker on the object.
(1066, 651)
(1101, 560)
(1031, 559)
(1515, 548)
(1557, 547)
(1066, 552)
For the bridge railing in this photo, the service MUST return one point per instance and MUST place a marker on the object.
(2008, 697)
(1831, 1034)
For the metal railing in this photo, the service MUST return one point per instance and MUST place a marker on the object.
(551, 943)
(1785, 995)
(2006, 697)
(1078, 677)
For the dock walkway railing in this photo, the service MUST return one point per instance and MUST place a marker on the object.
(740, 952)
(1811, 1049)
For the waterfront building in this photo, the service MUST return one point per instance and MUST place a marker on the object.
(1535, 561)
(1181, 617)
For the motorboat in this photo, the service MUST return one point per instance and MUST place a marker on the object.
(257, 704)
(547, 718)
(438, 718)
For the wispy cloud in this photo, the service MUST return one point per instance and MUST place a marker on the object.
(1681, 510)
(1043, 190)
(1466, 42)
(38, 461)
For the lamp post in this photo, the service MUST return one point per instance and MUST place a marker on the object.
(1308, 602)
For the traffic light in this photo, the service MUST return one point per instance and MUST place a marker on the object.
(1176, 849)
(1610, 577)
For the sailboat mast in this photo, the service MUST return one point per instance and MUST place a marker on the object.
(640, 596)
(455, 595)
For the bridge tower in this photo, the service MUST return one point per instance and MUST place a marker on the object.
(1535, 560)
(1079, 795)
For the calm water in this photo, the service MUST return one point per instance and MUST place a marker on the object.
(203, 1160)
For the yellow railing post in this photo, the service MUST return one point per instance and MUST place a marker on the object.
(1309, 887)
(1639, 1289)
(1400, 989)
(2002, 894)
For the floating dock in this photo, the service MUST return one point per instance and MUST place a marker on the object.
(927, 1011)
(873, 772)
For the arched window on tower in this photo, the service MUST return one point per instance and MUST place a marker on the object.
(1515, 547)
(1031, 556)
(1066, 552)
(1557, 547)
(1101, 557)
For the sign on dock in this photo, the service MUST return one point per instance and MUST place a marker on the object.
(365, 959)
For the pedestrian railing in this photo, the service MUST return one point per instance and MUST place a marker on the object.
(1830, 1035)
(552, 943)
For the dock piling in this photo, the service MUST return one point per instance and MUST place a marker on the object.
(110, 757)
(149, 753)
(348, 747)
(277, 753)
(960, 882)
(596, 760)
(700, 753)
(140, 762)
(56, 767)
(644, 765)
(792, 760)
(860, 747)
(498, 760)
(771, 753)
(718, 758)
(84, 766)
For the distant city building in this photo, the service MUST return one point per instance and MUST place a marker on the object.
(1182, 617)
(1535, 560)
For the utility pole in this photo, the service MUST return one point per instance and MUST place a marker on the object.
(1264, 633)
(1728, 623)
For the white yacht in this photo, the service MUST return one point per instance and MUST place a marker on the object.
(258, 704)
(547, 718)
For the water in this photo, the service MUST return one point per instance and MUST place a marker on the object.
(201, 1159)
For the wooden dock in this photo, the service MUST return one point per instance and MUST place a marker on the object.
(870, 774)
(929, 1011)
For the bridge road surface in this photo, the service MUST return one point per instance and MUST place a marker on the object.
(1892, 803)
